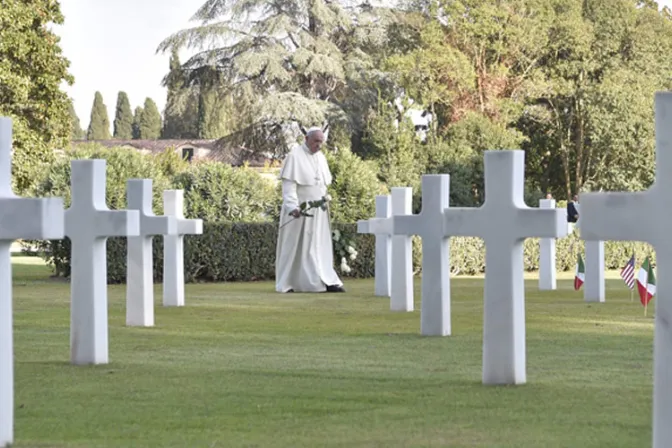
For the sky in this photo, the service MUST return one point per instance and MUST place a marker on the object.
(111, 46)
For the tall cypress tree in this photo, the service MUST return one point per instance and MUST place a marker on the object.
(123, 119)
(150, 121)
(99, 125)
(136, 122)
(76, 133)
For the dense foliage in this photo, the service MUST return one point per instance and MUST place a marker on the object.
(32, 70)
(569, 81)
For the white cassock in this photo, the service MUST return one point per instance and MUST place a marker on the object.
(304, 257)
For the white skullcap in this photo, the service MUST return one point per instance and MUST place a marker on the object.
(314, 129)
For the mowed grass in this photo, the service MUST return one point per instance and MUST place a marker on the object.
(241, 366)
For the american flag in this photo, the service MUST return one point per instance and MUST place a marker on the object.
(628, 273)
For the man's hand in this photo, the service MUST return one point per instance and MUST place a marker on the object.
(296, 213)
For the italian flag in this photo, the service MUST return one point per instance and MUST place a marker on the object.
(580, 275)
(646, 282)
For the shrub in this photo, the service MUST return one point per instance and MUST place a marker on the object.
(216, 192)
(246, 252)
(354, 187)
(122, 164)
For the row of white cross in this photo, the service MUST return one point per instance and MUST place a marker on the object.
(88, 223)
(504, 222)
(594, 286)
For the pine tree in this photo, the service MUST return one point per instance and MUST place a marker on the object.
(290, 65)
(77, 132)
(150, 121)
(136, 122)
(99, 125)
(123, 119)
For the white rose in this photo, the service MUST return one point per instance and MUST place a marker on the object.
(350, 249)
(343, 261)
(327, 197)
(346, 268)
(353, 256)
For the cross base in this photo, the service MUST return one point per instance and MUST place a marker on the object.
(88, 310)
(6, 347)
(173, 270)
(140, 282)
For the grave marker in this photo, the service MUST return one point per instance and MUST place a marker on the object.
(88, 224)
(504, 222)
(379, 226)
(429, 225)
(401, 265)
(173, 247)
(20, 218)
(645, 216)
(139, 257)
(547, 269)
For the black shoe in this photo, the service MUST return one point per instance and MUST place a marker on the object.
(289, 290)
(335, 288)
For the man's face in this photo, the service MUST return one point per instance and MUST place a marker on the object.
(549, 196)
(576, 198)
(314, 141)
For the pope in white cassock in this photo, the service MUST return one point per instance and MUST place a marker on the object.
(304, 258)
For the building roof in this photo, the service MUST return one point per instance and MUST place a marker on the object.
(151, 145)
(219, 151)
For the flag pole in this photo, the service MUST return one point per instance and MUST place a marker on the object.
(646, 288)
(634, 264)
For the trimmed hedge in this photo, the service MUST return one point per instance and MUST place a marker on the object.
(228, 252)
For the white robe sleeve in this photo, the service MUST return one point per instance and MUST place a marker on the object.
(289, 197)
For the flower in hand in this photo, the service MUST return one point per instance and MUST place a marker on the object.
(304, 207)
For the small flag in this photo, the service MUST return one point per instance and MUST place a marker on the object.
(628, 273)
(580, 275)
(646, 282)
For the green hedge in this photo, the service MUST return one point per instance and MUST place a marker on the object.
(229, 252)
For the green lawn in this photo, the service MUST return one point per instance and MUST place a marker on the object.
(241, 366)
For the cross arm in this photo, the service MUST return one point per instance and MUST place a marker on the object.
(364, 226)
(541, 223)
(406, 225)
(158, 225)
(189, 226)
(619, 216)
(460, 221)
(30, 218)
(118, 223)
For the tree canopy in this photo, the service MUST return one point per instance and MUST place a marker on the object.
(32, 69)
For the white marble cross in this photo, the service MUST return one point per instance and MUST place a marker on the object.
(429, 225)
(139, 256)
(646, 216)
(401, 294)
(504, 222)
(594, 283)
(547, 270)
(173, 247)
(20, 218)
(380, 227)
(88, 224)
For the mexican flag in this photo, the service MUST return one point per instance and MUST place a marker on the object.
(646, 282)
(580, 275)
